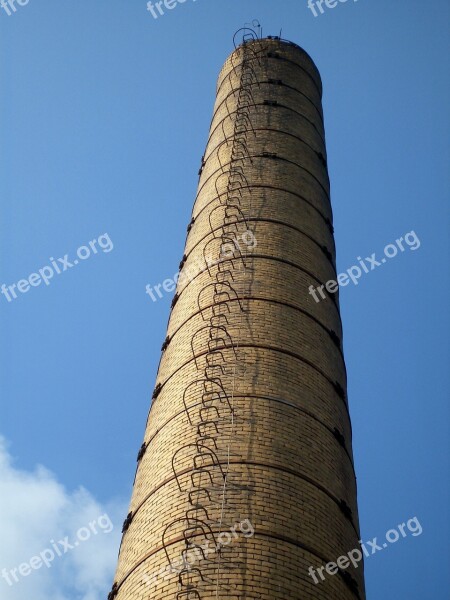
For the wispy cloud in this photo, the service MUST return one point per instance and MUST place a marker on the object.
(36, 509)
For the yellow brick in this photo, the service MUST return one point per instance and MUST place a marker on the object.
(250, 418)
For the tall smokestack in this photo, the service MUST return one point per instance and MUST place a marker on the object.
(246, 479)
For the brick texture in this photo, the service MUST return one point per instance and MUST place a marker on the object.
(247, 450)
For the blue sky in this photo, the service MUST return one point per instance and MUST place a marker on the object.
(105, 115)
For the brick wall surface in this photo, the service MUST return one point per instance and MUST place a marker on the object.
(246, 472)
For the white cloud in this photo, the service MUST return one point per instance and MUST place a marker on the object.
(36, 511)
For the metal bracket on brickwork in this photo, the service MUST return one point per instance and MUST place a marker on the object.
(217, 339)
(339, 389)
(322, 159)
(222, 292)
(189, 595)
(156, 391)
(239, 151)
(201, 165)
(183, 260)
(242, 122)
(351, 583)
(211, 391)
(340, 438)
(114, 591)
(345, 508)
(226, 249)
(334, 336)
(127, 522)
(327, 253)
(191, 222)
(189, 571)
(141, 452)
(166, 343)
(232, 217)
(204, 460)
